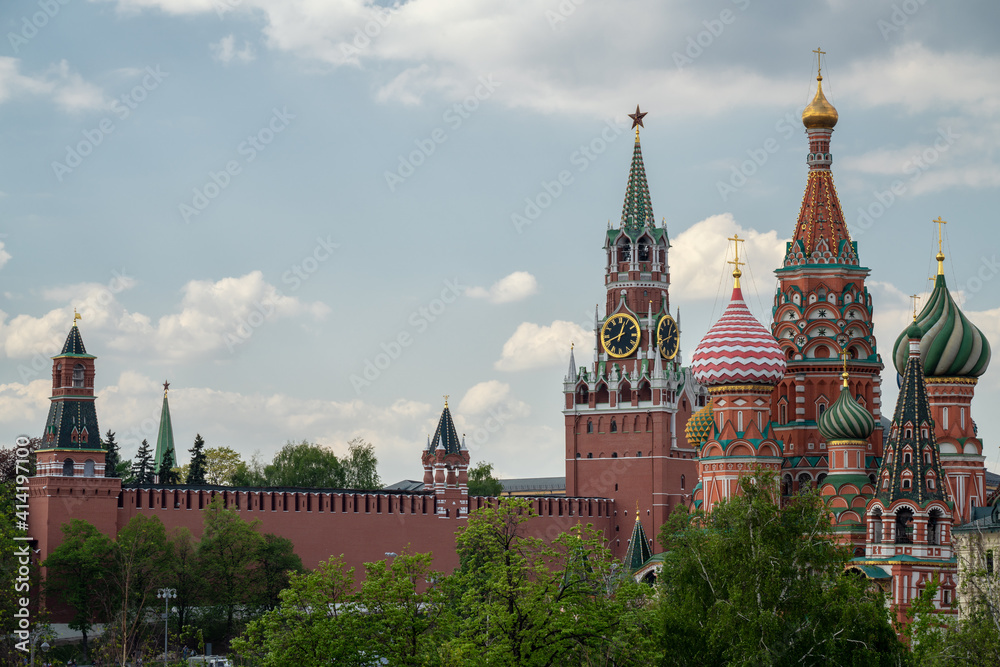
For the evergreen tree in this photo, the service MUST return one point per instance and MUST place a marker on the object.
(142, 465)
(111, 459)
(196, 473)
(167, 475)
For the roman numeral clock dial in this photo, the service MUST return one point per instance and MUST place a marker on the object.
(667, 338)
(620, 335)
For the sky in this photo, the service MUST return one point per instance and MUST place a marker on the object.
(316, 219)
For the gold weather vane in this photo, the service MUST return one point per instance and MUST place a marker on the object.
(819, 65)
(637, 120)
(735, 238)
(940, 256)
(76, 316)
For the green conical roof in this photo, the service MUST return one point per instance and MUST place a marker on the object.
(165, 437)
(638, 209)
(445, 435)
(846, 419)
(74, 344)
(638, 547)
(950, 345)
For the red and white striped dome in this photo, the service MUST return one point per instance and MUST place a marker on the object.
(738, 350)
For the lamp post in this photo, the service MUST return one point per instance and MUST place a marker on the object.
(165, 594)
(45, 647)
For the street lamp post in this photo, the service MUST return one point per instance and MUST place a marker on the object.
(165, 594)
(45, 647)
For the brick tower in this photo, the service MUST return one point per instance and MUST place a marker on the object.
(954, 354)
(625, 414)
(70, 482)
(740, 363)
(821, 308)
(446, 468)
(910, 518)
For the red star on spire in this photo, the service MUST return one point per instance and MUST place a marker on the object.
(637, 117)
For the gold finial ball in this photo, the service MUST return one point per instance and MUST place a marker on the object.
(820, 114)
(940, 256)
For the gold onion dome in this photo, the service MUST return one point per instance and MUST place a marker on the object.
(820, 114)
(846, 419)
(699, 426)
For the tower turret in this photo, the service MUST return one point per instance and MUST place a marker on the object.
(165, 435)
(446, 462)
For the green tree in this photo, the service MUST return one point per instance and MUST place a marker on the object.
(167, 474)
(196, 471)
(276, 562)
(227, 552)
(305, 465)
(220, 464)
(76, 573)
(142, 465)
(316, 624)
(250, 474)
(112, 456)
(755, 583)
(184, 572)
(482, 482)
(361, 466)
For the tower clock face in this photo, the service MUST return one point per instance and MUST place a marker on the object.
(620, 335)
(667, 338)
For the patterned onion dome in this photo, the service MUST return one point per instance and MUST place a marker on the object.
(738, 350)
(699, 426)
(950, 345)
(846, 419)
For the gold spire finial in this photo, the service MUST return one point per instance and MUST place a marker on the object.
(637, 121)
(735, 238)
(940, 256)
(819, 64)
(915, 298)
(76, 316)
(446, 399)
(636, 510)
(166, 386)
(845, 374)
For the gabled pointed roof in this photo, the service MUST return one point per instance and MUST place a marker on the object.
(638, 547)
(445, 435)
(637, 212)
(912, 428)
(165, 437)
(74, 344)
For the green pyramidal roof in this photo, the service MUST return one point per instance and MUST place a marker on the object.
(74, 344)
(445, 435)
(165, 438)
(638, 547)
(638, 209)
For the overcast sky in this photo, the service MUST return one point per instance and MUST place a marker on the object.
(317, 218)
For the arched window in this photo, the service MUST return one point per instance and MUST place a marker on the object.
(906, 457)
(88, 468)
(933, 527)
(682, 481)
(68, 468)
(804, 482)
(614, 455)
(904, 517)
(590, 455)
(590, 426)
(906, 483)
(78, 376)
(739, 421)
(877, 525)
(614, 425)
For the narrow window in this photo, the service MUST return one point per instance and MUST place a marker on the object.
(614, 425)
(989, 562)
(961, 418)
(590, 426)
(682, 482)
(68, 468)
(78, 376)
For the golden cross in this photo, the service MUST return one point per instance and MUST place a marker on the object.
(735, 238)
(446, 399)
(939, 222)
(819, 65)
(76, 316)
(915, 297)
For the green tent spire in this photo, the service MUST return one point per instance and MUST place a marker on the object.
(638, 547)
(165, 438)
(638, 209)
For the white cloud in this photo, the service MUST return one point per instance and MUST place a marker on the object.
(514, 287)
(487, 396)
(225, 50)
(4, 255)
(66, 88)
(698, 257)
(213, 316)
(534, 346)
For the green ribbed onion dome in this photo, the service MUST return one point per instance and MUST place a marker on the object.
(950, 345)
(846, 419)
(699, 426)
